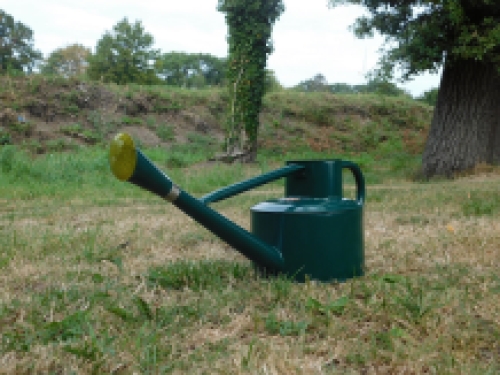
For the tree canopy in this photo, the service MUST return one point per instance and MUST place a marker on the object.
(125, 55)
(17, 52)
(67, 61)
(421, 33)
(375, 85)
(463, 37)
(191, 69)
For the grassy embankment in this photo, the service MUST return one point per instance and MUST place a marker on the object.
(98, 276)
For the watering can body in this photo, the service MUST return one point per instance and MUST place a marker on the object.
(312, 232)
(318, 232)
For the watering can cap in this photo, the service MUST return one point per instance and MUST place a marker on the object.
(122, 156)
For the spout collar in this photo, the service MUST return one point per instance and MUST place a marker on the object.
(173, 194)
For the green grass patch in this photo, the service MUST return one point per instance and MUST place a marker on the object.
(165, 133)
(480, 203)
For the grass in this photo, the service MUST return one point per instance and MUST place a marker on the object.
(165, 133)
(98, 276)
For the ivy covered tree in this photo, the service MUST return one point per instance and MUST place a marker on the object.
(250, 25)
(67, 61)
(17, 51)
(463, 38)
(125, 55)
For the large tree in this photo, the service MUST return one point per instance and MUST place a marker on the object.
(125, 55)
(462, 37)
(250, 25)
(67, 61)
(17, 52)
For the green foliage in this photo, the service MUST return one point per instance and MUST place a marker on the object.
(68, 61)
(271, 82)
(481, 203)
(17, 52)
(72, 326)
(316, 83)
(422, 33)
(128, 120)
(191, 69)
(199, 275)
(382, 86)
(336, 307)
(285, 327)
(165, 133)
(375, 85)
(125, 56)
(200, 70)
(250, 26)
(5, 138)
(429, 97)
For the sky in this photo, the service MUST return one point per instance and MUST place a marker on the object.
(309, 38)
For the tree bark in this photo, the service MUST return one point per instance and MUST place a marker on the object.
(465, 128)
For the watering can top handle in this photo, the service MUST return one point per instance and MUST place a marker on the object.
(358, 176)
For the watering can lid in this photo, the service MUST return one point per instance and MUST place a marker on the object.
(305, 205)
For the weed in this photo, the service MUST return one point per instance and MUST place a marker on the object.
(165, 133)
(95, 118)
(5, 138)
(71, 130)
(7, 158)
(70, 327)
(177, 160)
(22, 128)
(72, 109)
(55, 145)
(336, 307)
(201, 140)
(151, 122)
(127, 120)
(197, 276)
(481, 203)
(285, 327)
(92, 136)
(94, 349)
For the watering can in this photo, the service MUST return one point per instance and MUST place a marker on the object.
(310, 233)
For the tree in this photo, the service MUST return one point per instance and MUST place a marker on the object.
(125, 55)
(68, 61)
(250, 25)
(191, 70)
(316, 83)
(462, 37)
(429, 97)
(271, 82)
(382, 86)
(17, 52)
(342, 88)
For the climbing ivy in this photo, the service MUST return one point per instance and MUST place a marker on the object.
(250, 25)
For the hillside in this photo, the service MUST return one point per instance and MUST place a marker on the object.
(44, 114)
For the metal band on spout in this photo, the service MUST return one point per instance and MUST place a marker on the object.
(173, 194)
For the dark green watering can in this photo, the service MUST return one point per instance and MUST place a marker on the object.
(312, 232)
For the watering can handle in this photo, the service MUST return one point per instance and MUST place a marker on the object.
(360, 180)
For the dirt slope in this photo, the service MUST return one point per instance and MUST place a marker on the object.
(48, 114)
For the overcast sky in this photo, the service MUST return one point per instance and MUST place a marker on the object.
(309, 38)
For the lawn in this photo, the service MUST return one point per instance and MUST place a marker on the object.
(98, 276)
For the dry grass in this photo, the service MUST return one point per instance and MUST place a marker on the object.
(77, 294)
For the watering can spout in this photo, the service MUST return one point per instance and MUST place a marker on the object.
(129, 164)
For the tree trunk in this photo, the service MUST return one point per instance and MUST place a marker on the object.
(251, 151)
(465, 125)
